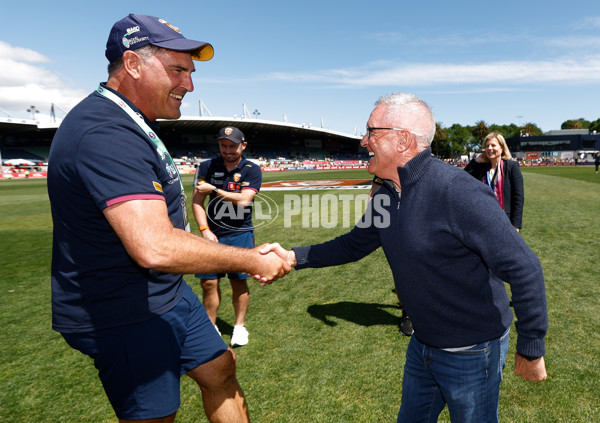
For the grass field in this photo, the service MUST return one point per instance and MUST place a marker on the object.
(325, 344)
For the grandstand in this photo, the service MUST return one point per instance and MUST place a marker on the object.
(25, 144)
(577, 146)
(192, 139)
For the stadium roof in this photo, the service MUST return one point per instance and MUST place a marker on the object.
(211, 125)
(198, 124)
(13, 126)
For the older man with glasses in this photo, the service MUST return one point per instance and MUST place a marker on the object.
(450, 247)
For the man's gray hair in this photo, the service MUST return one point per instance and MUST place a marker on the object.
(400, 106)
(145, 53)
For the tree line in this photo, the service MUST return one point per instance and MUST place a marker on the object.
(458, 140)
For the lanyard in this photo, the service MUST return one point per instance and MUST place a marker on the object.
(160, 147)
(492, 182)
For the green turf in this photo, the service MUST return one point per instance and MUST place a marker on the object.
(324, 343)
(582, 173)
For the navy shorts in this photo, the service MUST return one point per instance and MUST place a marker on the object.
(244, 240)
(140, 365)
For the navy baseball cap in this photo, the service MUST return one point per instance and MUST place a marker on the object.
(135, 31)
(232, 134)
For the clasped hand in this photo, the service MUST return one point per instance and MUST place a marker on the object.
(275, 251)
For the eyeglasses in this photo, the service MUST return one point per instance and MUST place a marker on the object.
(370, 130)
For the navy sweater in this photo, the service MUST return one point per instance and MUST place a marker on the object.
(450, 247)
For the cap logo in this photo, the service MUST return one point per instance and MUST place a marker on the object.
(228, 131)
(132, 30)
(174, 28)
(128, 43)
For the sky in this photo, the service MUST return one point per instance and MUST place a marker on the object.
(326, 62)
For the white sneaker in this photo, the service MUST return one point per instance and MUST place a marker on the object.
(218, 331)
(239, 337)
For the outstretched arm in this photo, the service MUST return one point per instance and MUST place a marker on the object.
(151, 240)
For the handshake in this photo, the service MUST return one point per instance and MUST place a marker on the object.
(272, 262)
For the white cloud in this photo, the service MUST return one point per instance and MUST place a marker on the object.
(25, 82)
(589, 23)
(17, 99)
(443, 74)
(576, 43)
(445, 39)
(21, 54)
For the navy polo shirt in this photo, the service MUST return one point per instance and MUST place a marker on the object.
(225, 219)
(100, 157)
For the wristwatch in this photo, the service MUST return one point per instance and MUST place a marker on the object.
(215, 189)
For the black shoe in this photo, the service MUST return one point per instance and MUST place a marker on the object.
(406, 325)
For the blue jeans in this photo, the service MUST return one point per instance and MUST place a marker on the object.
(468, 381)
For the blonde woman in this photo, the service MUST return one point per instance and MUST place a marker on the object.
(496, 168)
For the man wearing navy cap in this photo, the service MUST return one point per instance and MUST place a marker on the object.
(231, 182)
(122, 241)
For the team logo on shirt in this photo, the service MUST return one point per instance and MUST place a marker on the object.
(237, 177)
(170, 170)
(157, 186)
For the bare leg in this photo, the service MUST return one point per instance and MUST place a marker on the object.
(211, 298)
(222, 395)
(241, 299)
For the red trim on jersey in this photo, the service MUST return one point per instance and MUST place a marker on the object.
(134, 197)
